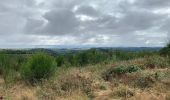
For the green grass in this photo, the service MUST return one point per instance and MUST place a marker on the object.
(8, 68)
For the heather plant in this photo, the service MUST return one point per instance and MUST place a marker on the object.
(120, 70)
(145, 82)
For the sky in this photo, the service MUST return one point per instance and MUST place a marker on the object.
(104, 23)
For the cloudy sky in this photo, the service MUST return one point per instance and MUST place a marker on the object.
(84, 22)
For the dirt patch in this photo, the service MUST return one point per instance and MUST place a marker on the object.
(103, 95)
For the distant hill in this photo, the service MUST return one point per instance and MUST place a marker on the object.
(133, 48)
(57, 51)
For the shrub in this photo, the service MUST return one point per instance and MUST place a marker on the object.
(132, 68)
(156, 62)
(38, 67)
(74, 82)
(103, 87)
(166, 74)
(69, 82)
(60, 61)
(7, 68)
(166, 50)
(124, 92)
(120, 70)
(145, 82)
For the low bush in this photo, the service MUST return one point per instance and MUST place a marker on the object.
(124, 92)
(76, 82)
(167, 74)
(145, 82)
(132, 68)
(156, 62)
(103, 87)
(120, 70)
(69, 83)
(38, 67)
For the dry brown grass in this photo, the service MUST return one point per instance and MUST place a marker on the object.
(71, 83)
(19, 91)
(87, 84)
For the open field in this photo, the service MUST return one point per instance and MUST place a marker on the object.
(85, 75)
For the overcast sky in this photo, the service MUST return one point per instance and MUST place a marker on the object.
(84, 22)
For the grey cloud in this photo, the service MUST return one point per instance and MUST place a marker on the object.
(155, 4)
(10, 24)
(88, 10)
(138, 20)
(131, 22)
(13, 15)
(165, 29)
(68, 4)
(56, 18)
(62, 21)
(33, 25)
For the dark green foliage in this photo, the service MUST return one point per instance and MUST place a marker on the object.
(102, 87)
(94, 56)
(157, 75)
(82, 58)
(60, 60)
(128, 55)
(125, 69)
(166, 50)
(38, 67)
(3, 63)
(121, 55)
(8, 67)
(120, 70)
(132, 68)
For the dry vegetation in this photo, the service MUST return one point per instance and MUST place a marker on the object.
(145, 78)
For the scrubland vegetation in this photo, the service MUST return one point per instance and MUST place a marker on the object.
(94, 74)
